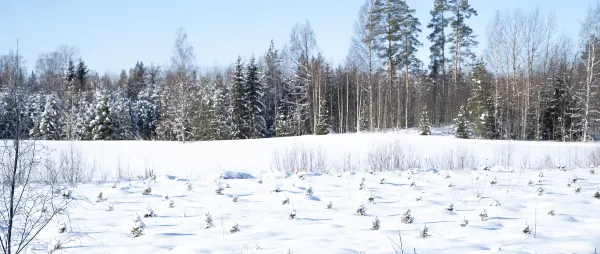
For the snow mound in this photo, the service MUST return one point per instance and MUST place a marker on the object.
(235, 175)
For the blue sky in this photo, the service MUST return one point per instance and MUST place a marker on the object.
(111, 35)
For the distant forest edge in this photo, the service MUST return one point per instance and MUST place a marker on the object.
(529, 84)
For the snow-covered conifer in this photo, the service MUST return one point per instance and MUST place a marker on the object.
(424, 125)
(407, 218)
(376, 224)
(461, 124)
(361, 210)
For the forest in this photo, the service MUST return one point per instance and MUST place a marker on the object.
(530, 83)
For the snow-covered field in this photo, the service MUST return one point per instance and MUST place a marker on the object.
(519, 197)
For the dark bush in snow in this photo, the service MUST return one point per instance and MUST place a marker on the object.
(361, 210)
(329, 205)
(208, 221)
(407, 217)
(147, 191)
(234, 228)
(292, 214)
(376, 224)
(424, 233)
(483, 215)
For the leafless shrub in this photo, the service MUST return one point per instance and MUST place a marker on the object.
(504, 155)
(458, 159)
(546, 162)
(594, 157)
(72, 168)
(348, 165)
(413, 158)
(48, 173)
(300, 159)
(391, 156)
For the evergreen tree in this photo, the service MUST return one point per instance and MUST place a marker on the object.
(323, 117)
(239, 112)
(461, 37)
(222, 109)
(49, 125)
(253, 98)
(272, 78)
(481, 102)
(461, 129)
(425, 126)
(147, 112)
(137, 80)
(124, 117)
(81, 75)
(437, 37)
(102, 125)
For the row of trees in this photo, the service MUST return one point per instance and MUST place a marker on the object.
(529, 84)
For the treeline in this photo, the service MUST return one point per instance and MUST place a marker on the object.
(530, 84)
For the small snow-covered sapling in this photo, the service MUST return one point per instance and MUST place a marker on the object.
(592, 170)
(188, 186)
(541, 174)
(285, 201)
(382, 181)
(551, 212)
(292, 214)
(562, 167)
(147, 191)
(361, 210)
(419, 198)
(577, 189)
(309, 191)
(464, 223)
(260, 181)
(527, 229)
(165, 197)
(277, 189)
(597, 194)
(573, 179)
(114, 185)
(450, 207)
(450, 185)
(407, 217)
(138, 228)
(413, 184)
(540, 191)
(110, 207)
(371, 199)
(530, 183)
(234, 228)
(483, 215)
(100, 198)
(208, 221)
(62, 227)
(235, 198)
(447, 176)
(376, 224)
(171, 203)
(149, 213)
(67, 194)
(424, 233)
(362, 184)
(329, 205)
(493, 181)
(219, 190)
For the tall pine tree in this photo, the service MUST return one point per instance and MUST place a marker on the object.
(253, 98)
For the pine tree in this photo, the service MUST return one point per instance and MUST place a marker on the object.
(425, 126)
(49, 125)
(438, 24)
(461, 37)
(101, 126)
(462, 124)
(253, 97)
(239, 110)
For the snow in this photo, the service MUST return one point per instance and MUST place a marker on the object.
(263, 221)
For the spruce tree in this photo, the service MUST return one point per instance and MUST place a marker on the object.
(425, 126)
(481, 103)
(253, 97)
(49, 125)
(147, 111)
(101, 126)
(323, 117)
(81, 75)
(461, 124)
(272, 78)
(239, 110)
